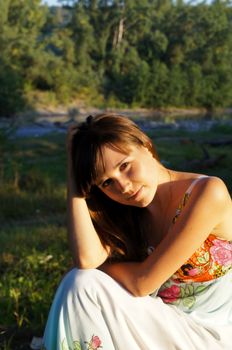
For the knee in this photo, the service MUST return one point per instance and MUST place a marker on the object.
(92, 284)
(79, 281)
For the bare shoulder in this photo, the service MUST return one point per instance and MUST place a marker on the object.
(210, 206)
(215, 191)
(214, 185)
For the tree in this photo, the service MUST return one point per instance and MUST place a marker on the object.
(20, 24)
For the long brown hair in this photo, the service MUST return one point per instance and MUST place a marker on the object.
(121, 227)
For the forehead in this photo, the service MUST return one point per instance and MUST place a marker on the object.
(110, 153)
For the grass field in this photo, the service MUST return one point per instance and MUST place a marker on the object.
(34, 252)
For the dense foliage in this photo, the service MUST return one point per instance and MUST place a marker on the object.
(150, 53)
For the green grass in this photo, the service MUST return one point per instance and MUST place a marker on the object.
(34, 252)
(182, 150)
(33, 247)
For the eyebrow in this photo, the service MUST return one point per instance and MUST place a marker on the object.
(99, 182)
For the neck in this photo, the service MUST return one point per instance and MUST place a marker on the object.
(160, 210)
(163, 194)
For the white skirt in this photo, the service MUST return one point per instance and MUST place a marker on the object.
(92, 311)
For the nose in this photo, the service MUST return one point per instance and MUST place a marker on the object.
(124, 185)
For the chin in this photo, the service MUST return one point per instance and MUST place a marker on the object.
(143, 203)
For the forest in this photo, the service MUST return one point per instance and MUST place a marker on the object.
(151, 54)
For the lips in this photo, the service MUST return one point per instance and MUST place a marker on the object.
(136, 194)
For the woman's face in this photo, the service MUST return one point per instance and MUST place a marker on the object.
(129, 177)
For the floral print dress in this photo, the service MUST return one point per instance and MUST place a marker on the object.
(211, 261)
(192, 310)
(193, 283)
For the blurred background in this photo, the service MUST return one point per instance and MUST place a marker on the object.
(165, 64)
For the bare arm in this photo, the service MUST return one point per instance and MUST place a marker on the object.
(207, 207)
(87, 249)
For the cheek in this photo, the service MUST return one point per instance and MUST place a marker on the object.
(116, 197)
(150, 171)
(137, 172)
(109, 193)
(143, 170)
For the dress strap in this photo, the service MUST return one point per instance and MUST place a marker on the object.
(183, 202)
(189, 190)
(185, 198)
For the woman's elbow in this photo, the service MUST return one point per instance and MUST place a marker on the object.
(139, 289)
(86, 263)
(140, 292)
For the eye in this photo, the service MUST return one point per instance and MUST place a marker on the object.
(106, 183)
(124, 166)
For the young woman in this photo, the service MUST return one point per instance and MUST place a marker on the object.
(152, 248)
